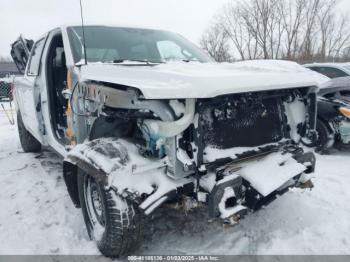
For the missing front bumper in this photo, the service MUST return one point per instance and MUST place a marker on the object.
(258, 183)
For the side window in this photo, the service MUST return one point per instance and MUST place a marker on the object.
(315, 69)
(331, 95)
(345, 93)
(169, 50)
(332, 72)
(35, 58)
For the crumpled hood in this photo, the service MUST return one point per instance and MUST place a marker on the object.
(204, 80)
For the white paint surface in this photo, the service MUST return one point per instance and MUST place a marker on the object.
(203, 80)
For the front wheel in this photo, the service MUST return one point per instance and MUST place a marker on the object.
(325, 137)
(111, 221)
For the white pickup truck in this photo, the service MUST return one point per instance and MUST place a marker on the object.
(143, 117)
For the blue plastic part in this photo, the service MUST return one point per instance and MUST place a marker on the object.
(152, 146)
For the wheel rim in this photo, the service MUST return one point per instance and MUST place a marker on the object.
(94, 203)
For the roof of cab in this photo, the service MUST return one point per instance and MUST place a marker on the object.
(327, 64)
(120, 25)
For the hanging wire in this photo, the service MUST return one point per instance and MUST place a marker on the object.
(10, 116)
(71, 104)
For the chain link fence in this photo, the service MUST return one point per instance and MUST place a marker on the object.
(5, 89)
(6, 98)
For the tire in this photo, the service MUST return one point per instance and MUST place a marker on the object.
(325, 138)
(28, 141)
(115, 224)
(308, 142)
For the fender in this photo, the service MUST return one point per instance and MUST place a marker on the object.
(328, 112)
(102, 158)
(77, 159)
(328, 109)
(70, 175)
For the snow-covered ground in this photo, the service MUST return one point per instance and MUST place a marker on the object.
(37, 216)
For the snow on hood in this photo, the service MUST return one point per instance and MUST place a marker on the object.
(204, 80)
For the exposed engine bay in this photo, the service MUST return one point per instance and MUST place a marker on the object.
(202, 146)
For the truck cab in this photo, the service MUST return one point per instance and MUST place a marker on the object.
(39, 97)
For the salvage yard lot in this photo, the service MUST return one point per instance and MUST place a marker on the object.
(37, 216)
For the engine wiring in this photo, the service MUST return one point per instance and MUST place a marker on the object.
(71, 99)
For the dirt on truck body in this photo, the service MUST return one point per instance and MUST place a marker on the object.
(143, 117)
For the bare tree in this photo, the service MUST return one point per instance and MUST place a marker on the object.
(214, 41)
(256, 16)
(345, 55)
(309, 31)
(301, 30)
(250, 28)
(232, 22)
(341, 39)
(292, 16)
(235, 30)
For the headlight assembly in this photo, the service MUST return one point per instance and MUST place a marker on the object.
(345, 111)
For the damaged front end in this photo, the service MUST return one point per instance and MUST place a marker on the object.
(256, 180)
(233, 152)
(248, 145)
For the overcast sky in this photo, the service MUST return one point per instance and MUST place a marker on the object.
(35, 17)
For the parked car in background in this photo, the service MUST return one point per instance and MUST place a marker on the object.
(331, 70)
(333, 117)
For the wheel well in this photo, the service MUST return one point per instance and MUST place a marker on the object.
(102, 127)
(110, 127)
(70, 175)
(326, 123)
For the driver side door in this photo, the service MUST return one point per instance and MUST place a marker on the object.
(28, 92)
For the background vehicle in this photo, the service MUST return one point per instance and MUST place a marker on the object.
(333, 119)
(143, 117)
(331, 70)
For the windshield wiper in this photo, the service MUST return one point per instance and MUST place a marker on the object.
(130, 61)
(189, 60)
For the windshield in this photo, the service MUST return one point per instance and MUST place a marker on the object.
(118, 45)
